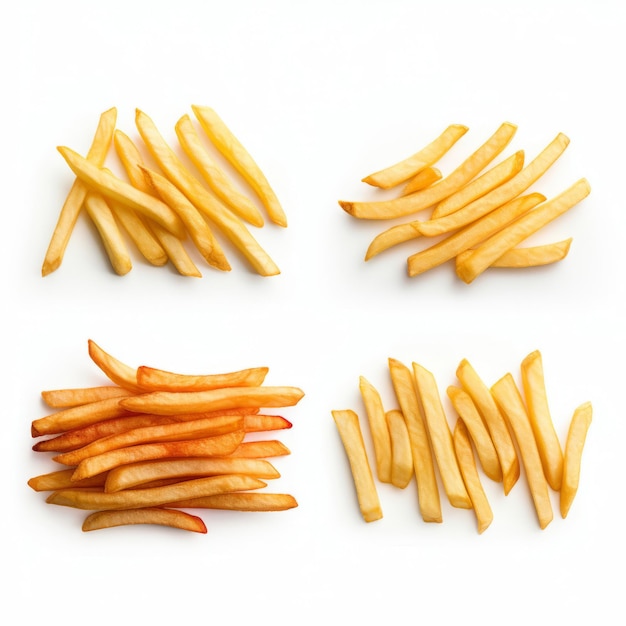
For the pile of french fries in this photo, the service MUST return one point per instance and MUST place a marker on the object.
(497, 429)
(479, 213)
(157, 206)
(151, 443)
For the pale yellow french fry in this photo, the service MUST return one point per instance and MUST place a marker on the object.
(74, 200)
(213, 174)
(534, 256)
(242, 501)
(347, 423)
(421, 180)
(430, 154)
(509, 399)
(420, 200)
(574, 444)
(472, 263)
(534, 386)
(401, 456)
(467, 465)
(440, 437)
(114, 369)
(172, 518)
(478, 391)
(232, 149)
(423, 464)
(65, 398)
(378, 427)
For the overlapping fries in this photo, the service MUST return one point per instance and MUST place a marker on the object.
(156, 207)
(190, 450)
(496, 431)
(478, 212)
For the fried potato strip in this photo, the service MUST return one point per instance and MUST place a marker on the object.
(421, 180)
(378, 427)
(401, 456)
(534, 256)
(114, 369)
(65, 398)
(171, 518)
(153, 379)
(243, 501)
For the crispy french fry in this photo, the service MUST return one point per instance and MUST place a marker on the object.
(423, 179)
(430, 154)
(347, 423)
(423, 464)
(509, 399)
(534, 386)
(534, 256)
(574, 444)
(242, 501)
(213, 174)
(378, 427)
(265, 423)
(232, 149)
(473, 262)
(401, 456)
(172, 518)
(440, 437)
(260, 449)
(62, 479)
(65, 398)
(74, 200)
(116, 371)
(467, 465)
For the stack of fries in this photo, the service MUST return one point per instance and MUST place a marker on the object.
(158, 206)
(506, 427)
(479, 215)
(154, 442)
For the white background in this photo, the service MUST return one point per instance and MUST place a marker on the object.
(322, 93)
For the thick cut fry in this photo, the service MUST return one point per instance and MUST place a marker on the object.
(534, 255)
(423, 464)
(213, 174)
(137, 474)
(242, 501)
(440, 437)
(509, 399)
(401, 456)
(176, 252)
(574, 444)
(173, 402)
(65, 398)
(172, 518)
(347, 423)
(473, 422)
(153, 379)
(430, 154)
(467, 465)
(155, 496)
(74, 200)
(494, 420)
(473, 262)
(422, 180)
(265, 423)
(415, 202)
(378, 427)
(114, 369)
(232, 149)
(260, 449)
(62, 479)
(534, 386)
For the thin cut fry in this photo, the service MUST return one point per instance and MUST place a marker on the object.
(62, 479)
(65, 398)
(116, 371)
(401, 456)
(242, 501)
(264, 423)
(378, 427)
(172, 518)
(260, 449)
(421, 180)
(347, 423)
(535, 255)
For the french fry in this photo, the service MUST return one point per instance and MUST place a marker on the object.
(467, 465)
(473, 262)
(74, 200)
(423, 465)
(260, 449)
(534, 386)
(534, 256)
(574, 444)
(114, 369)
(232, 149)
(401, 456)
(440, 437)
(423, 179)
(65, 398)
(509, 399)
(427, 156)
(62, 479)
(347, 423)
(171, 518)
(242, 501)
(378, 427)
(176, 253)
(265, 423)
(213, 174)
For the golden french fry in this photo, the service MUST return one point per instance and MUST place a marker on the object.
(467, 465)
(213, 174)
(260, 449)
(62, 479)
(473, 262)
(440, 437)
(65, 398)
(265, 423)
(494, 420)
(534, 386)
(420, 200)
(535, 255)
(242, 501)
(477, 430)
(232, 149)
(574, 444)
(74, 200)
(423, 179)
(430, 154)
(378, 427)
(401, 456)
(116, 371)
(509, 399)
(423, 464)
(347, 423)
(172, 518)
